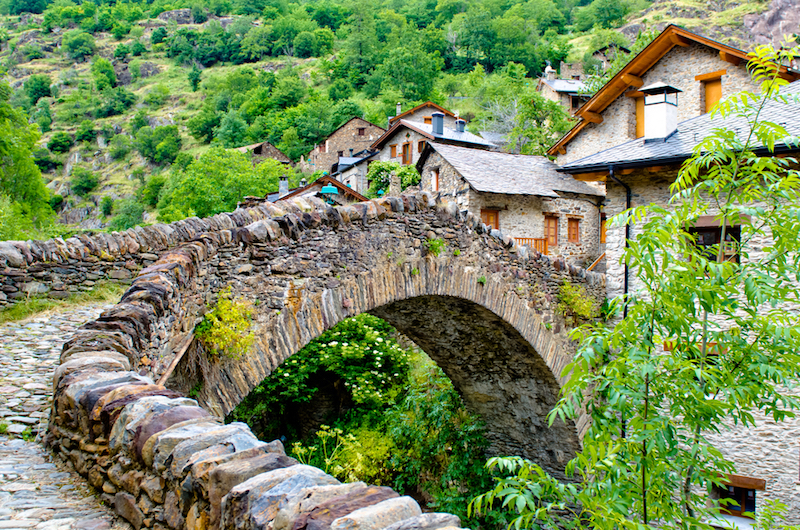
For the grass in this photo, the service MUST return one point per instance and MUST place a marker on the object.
(106, 292)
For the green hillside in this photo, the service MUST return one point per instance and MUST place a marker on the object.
(131, 98)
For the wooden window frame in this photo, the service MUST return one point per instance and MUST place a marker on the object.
(603, 228)
(435, 179)
(639, 117)
(573, 230)
(407, 148)
(323, 147)
(393, 151)
(734, 233)
(428, 120)
(420, 146)
(554, 219)
(741, 486)
(362, 131)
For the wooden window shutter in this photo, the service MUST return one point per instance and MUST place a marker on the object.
(406, 153)
(713, 89)
(435, 179)
(491, 218)
(639, 117)
(394, 150)
(551, 230)
(428, 120)
(574, 230)
(420, 146)
(603, 229)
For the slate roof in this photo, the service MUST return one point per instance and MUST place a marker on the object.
(494, 172)
(679, 145)
(430, 104)
(426, 129)
(570, 86)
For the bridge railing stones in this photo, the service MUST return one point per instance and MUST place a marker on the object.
(157, 456)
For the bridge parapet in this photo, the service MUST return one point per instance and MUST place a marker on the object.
(166, 461)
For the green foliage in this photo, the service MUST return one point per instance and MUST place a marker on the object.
(103, 73)
(151, 191)
(36, 87)
(43, 116)
(482, 280)
(734, 337)
(379, 176)
(119, 146)
(78, 44)
(116, 101)
(158, 35)
(194, 77)
(574, 302)
(435, 246)
(107, 205)
(129, 214)
(159, 145)
(139, 120)
(121, 51)
(225, 329)
(60, 142)
(218, 179)
(85, 132)
(232, 129)
(83, 181)
(157, 95)
(137, 49)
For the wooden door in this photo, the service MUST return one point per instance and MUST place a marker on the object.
(491, 218)
(551, 230)
(406, 154)
(713, 93)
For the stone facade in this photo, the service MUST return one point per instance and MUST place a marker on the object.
(768, 450)
(425, 115)
(164, 461)
(356, 134)
(523, 216)
(402, 135)
(677, 68)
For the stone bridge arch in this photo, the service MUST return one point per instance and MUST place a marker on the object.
(481, 308)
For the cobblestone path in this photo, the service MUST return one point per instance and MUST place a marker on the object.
(37, 492)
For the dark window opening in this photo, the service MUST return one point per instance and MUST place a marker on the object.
(708, 237)
(362, 131)
(740, 501)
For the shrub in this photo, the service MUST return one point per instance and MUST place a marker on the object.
(85, 132)
(119, 146)
(138, 49)
(129, 214)
(107, 205)
(122, 51)
(160, 145)
(116, 101)
(31, 52)
(158, 35)
(573, 301)
(139, 120)
(60, 142)
(435, 246)
(379, 176)
(42, 159)
(157, 95)
(83, 181)
(150, 191)
(225, 329)
(37, 87)
(78, 44)
(103, 74)
(56, 201)
(120, 31)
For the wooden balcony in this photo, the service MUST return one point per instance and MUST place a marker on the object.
(537, 243)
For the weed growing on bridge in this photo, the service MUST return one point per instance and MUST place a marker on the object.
(225, 330)
(482, 280)
(575, 303)
(435, 246)
(414, 271)
(456, 252)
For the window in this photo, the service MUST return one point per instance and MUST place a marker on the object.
(711, 89)
(340, 153)
(428, 120)
(639, 117)
(740, 493)
(393, 148)
(574, 230)
(708, 237)
(602, 228)
(435, 179)
(420, 146)
(362, 131)
(551, 230)
(491, 218)
(323, 147)
(406, 153)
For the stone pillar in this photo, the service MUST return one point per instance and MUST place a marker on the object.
(394, 184)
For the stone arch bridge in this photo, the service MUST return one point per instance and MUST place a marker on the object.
(482, 308)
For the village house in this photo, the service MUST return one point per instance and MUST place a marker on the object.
(702, 69)
(352, 170)
(637, 152)
(405, 141)
(523, 196)
(263, 150)
(352, 137)
(323, 188)
(424, 113)
(569, 93)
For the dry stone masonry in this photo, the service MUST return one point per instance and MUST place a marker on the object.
(484, 309)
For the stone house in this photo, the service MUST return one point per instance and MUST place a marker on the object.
(405, 141)
(352, 171)
(523, 196)
(702, 69)
(262, 151)
(569, 93)
(352, 137)
(424, 113)
(640, 171)
(344, 195)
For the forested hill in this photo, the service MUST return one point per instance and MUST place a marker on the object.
(132, 104)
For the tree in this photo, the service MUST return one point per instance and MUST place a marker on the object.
(121, 51)
(79, 44)
(304, 44)
(159, 145)
(412, 71)
(36, 87)
(129, 214)
(138, 49)
(258, 42)
(202, 124)
(83, 181)
(731, 338)
(85, 132)
(103, 74)
(60, 142)
(158, 35)
(232, 129)
(17, 7)
(194, 77)
(116, 101)
(379, 176)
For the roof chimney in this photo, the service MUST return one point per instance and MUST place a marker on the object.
(351, 152)
(660, 110)
(550, 73)
(303, 182)
(399, 109)
(460, 124)
(283, 186)
(437, 119)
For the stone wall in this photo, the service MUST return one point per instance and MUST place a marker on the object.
(164, 461)
(60, 267)
(677, 68)
(402, 136)
(767, 451)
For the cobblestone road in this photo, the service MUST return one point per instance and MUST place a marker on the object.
(35, 490)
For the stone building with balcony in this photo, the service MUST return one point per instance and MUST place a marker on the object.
(523, 196)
